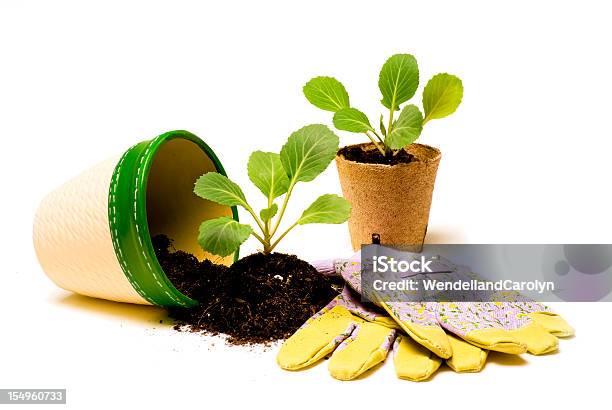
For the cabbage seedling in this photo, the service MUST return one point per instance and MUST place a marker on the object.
(398, 82)
(305, 155)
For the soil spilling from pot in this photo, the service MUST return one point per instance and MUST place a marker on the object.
(259, 299)
(373, 156)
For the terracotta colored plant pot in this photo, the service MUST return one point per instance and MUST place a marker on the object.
(392, 201)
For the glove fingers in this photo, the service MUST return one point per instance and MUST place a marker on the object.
(419, 322)
(497, 339)
(316, 339)
(413, 361)
(367, 346)
(466, 358)
(432, 337)
(536, 338)
(552, 323)
(500, 327)
(480, 324)
(531, 337)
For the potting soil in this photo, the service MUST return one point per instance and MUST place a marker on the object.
(373, 156)
(259, 299)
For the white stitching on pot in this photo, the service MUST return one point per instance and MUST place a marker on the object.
(145, 256)
(113, 210)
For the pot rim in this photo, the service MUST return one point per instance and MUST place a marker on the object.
(437, 154)
(129, 225)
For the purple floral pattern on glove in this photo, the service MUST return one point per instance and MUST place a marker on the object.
(420, 313)
(457, 317)
(462, 318)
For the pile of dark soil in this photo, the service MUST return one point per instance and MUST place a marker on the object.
(259, 299)
(373, 156)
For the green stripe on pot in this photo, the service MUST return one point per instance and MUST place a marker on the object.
(150, 190)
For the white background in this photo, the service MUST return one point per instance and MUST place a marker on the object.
(526, 159)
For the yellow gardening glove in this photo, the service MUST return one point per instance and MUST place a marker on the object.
(357, 338)
(416, 363)
(463, 332)
(467, 356)
(412, 361)
(507, 327)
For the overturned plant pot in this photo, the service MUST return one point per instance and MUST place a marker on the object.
(391, 199)
(93, 235)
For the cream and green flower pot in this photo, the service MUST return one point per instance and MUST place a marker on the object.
(93, 234)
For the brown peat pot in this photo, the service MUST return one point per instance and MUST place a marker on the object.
(392, 201)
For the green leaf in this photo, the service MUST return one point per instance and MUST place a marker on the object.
(222, 236)
(326, 209)
(308, 151)
(398, 80)
(351, 119)
(326, 93)
(268, 213)
(406, 129)
(383, 130)
(267, 173)
(220, 189)
(441, 96)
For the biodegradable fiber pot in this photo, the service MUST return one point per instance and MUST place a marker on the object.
(93, 234)
(392, 201)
